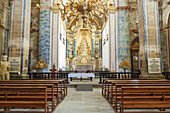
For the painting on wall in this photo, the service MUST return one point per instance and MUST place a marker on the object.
(154, 65)
(15, 64)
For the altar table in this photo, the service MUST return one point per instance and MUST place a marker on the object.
(71, 75)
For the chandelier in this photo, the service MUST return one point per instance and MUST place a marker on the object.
(85, 9)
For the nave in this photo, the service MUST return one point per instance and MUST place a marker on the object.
(84, 102)
(113, 96)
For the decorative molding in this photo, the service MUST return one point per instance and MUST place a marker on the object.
(123, 8)
(44, 7)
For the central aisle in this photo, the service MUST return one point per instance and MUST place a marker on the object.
(84, 102)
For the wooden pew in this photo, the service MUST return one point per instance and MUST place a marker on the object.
(154, 102)
(58, 85)
(9, 101)
(116, 94)
(50, 92)
(63, 83)
(106, 81)
(111, 83)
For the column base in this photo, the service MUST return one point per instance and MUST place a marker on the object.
(147, 76)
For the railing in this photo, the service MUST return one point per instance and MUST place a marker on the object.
(101, 74)
(48, 75)
(118, 75)
(96, 73)
(67, 71)
(166, 74)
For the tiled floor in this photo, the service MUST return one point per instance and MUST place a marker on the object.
(84, 102)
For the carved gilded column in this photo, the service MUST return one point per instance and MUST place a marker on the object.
(98, 50)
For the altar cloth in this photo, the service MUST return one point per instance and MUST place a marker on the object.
(81, 75)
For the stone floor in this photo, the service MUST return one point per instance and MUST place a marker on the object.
(84, 102)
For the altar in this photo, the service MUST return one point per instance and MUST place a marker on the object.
(84, 67)
(81, 75)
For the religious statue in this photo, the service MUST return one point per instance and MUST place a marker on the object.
(53, 70)
(71, 52)
(96, 52)
(4, 68)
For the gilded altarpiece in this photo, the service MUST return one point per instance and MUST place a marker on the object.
(83, 50)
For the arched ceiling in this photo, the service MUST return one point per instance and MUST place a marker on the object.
(93, 13)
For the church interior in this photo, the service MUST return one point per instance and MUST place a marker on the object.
(85, 56)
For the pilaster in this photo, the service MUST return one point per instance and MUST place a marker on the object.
(149, 38)
(44, 36)
(123, 31)
(20, 33)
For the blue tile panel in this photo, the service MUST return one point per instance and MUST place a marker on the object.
(67, 46)
(92, 47)
(44, 38)
(145, 35)
(159, 33)
(75, 49)
(100, 48)
(123, 36)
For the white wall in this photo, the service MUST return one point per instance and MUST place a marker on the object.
(61, 45)
(105, 47)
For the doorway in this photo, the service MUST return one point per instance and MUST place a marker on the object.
(135, 55)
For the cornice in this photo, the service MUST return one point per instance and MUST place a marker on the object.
(123, 8)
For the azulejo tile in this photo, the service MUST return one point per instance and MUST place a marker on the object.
(123, 36)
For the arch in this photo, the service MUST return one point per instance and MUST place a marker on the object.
(134, 38)
(135, 54)
(95, 21)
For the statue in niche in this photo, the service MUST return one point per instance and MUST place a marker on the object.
(71, 52)
(4, 68)
(84, 60)
(96, 52)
